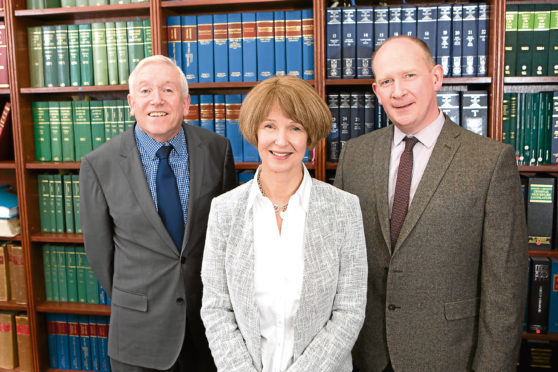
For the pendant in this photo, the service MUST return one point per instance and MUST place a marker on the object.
(282, 214)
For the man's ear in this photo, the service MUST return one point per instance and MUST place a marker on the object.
(437, 76)
(131, 104)
(374, 87)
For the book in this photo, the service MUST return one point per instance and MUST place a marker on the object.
(36, 62)
(344, 119)
(369, 108)
(85, 345)
(279, 35)
(293, 43)
(75, 195)
(457, 39)
(71, 273)
(553, 297)
(8, 204)
(474, 112)
(469, 47)
(47, 272)
(541, 28)
(16, 269)
(205, 49)
(333, 40)
(307, 44)
(136, 51)
(553, 42)
(525, 29)
(94, 343)
(74, 342)
(426, 26)
(74, 54)
(189, 48)
(193, 117)
(6, 137)
(67, 131)
(219, 114)
(82, 128)
(539, 293)
(97, 114)
(44, 202)
(365, 41)
(540, 212)
(102, 340)
(112, 54)
(538, 355)
(100, 56)
(265, 45)
(86, 54)
(4, 273)
(49, 57)
(333, 135)
(554, 140)
(232, 107)
(51, 337)
(62, 341)
(62, 55)
(9, 227)
(62, 273)
(24, 351)
(207, 118)
(147, 38)
(394, 21)
(482, 41)
(234, 32)
(221, 47)
(510, 54)
(357, 114)
(444, 36)
(122, 52)
(82, 268)
(8, 341)
(409, 20)
(381, 25)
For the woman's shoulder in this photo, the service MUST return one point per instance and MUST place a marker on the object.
(234, 196)
(331, 193)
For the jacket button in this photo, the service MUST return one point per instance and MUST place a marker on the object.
(182, 260)
(391, 307)
(180, 300)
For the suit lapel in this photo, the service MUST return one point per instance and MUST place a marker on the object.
(380, 167)
(442, 156)
(131, 164)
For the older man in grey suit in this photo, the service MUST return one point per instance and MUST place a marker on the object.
(145, 198)
(445, 230)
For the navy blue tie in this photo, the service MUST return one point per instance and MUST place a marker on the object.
(168, 198)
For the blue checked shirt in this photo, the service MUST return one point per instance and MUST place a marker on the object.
(178, 160)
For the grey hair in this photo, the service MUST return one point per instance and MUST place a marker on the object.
(159, 59)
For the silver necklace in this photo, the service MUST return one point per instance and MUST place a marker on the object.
(281, 209)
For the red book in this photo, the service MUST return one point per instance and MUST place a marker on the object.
(6, 141)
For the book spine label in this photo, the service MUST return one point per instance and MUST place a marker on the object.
(365, 41)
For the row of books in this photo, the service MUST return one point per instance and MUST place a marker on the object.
(67, 130)
(457, 36)
(542, 303)
(100, 53)
(69, 278)
(528, 124)
(15, 342)
(357, 113)
(531, 40)
(12, 273)
(538, 355)
(59, 203)
(78, 342)
(243, 46)
(43, 4)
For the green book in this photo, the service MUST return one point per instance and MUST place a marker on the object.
(553, 42)
(47, 268)
(36, 63)
(549, 124)
(122, 51)
(71, 274)
(41, 131)
(98, 2)
(52, 3)
(54, 273)
(520, 128)
(67, 3)
(112, 57)
(59, 203)
(525, 27)
(540, 40)
(55, 130)
(542, 117)
(44, 203)
(51, 204)
(62, 55)
(510, 53)
(73, 50)
(82, 128)
(97, 123)
(99, 45)
(68, 204)
(506, 118)
(91, 283)
(82, 2)
(49, 57)
(135, 43)
(513, 123)
(75, 195)
(130, 120)
(121, 104)
(35, 4)
(534, 117)
(85, 54)
(107, 113)
(147, 50)
(115, 129)
(67, 127)
(62, 274)
(81, 271)
(115, 2)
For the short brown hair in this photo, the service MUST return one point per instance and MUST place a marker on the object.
(420, 43)
(296, 98)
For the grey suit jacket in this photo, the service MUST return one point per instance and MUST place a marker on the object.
(333, 298)
(452, 294)
(154, 289)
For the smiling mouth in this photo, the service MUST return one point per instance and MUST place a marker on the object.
(157, 114)
(280, 154)
(403, 106)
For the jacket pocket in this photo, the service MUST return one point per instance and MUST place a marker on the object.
(461, 309)
(133, 301)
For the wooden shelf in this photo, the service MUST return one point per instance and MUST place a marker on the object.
(12, 306)
(447, 81)
(233, 5)
(543, 253)
(73, 308)
(85, 12)
(4, 91)
(550, 168)
(16, 238)
(531, 80)
(57, 238)
(87, 89)
(546, 337)
(53, 165)
(7, 164)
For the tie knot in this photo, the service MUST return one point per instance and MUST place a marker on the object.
(410, 142)
(163, 152)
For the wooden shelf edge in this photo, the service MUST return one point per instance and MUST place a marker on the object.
(214, 3)
(447, 81)
(73, 308)
(543, 253)
(538, 168)
(57, 238)
(13, 306)
(546, 337)
(16, 238)
(81, 9)
(53, 165)
(87, 89)
(531, 80)
(7, 164)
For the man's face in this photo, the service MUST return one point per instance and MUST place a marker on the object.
(406, 85)
(156, 101)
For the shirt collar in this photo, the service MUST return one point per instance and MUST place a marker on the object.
(427, 136)
(151, 146)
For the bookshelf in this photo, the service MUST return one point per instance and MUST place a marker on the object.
(22, 172)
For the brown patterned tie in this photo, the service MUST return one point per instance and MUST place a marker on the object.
(402, 188)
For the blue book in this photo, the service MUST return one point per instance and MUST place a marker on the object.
(333, 136)
(344, 119)
(205, 49)
(103, 297)
(395, 25)
(250, 153)
(369, 109)
(482, 41)
(232, 109)
(381, 25)
(8, 204)
(174, 39)
(219, 112)
(333, 40)
(193, 117)
(409, 20)
(293, 45)
(469, 49)
(306, 156)
(426, 26)
(51, 336)
(448, 103)
(84, 344)
(73, 341)
(279, 34)
(457, 39)
(207, 116)
(94, 344)
(190, 48)
(102, 342)
(381, 117)
(443, 56)
(221, 47)
(365, 41)
(235, 46)
(307, 44)
(62, 342)
(245, 176)
(553, 306)
(348, 37)
(249, 50)
(357, 114)
(265, 45)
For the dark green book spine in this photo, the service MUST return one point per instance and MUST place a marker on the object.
(553, 42)
(55, 130)
(541, 127)
(549, 126)
(147, 49)
(97, 123)
(510, 61)
(112, 56)
(52, 3)
(68, 3)
(100, 62)
(68, 204)
(62, 275)
(67, 126)
(115, 130)
(41, 125)
(47, 267)
(91, 284)
(36, 63)
(49, 56)
(59, 203)
(135, 43)
(122, 51)
(98, 2)
(107, 112)
(540, 40)
(75, 195)
(81, 274)
(54, 270)
(62, 55)
(121, 104)
(71, 274)
(73, 50)
(44, 203)
(520, 128)
(82, 128)
(130, 120)
(85, 54)
(506, 119)
(513, 123)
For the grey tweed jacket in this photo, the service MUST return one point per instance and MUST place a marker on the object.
(333, 299)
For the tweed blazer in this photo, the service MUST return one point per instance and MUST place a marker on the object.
(333, 297)
(451, 296)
